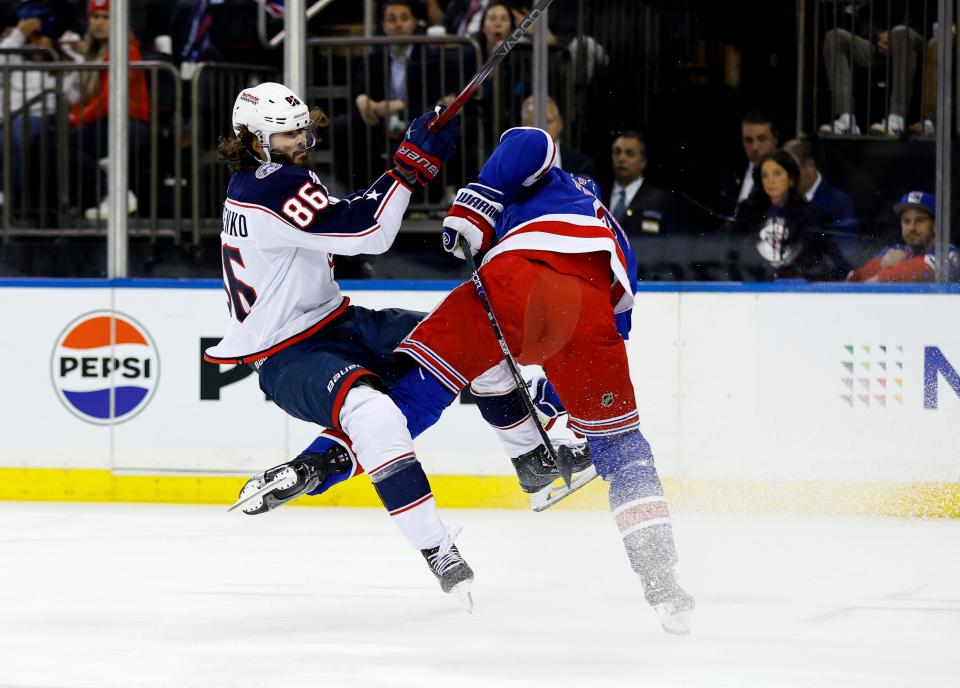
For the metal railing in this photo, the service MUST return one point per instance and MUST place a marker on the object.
(51, 190)
(350, 154)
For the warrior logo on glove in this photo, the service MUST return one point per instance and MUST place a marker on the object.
(468, 198)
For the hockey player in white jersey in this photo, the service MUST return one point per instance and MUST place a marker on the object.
(318, 357)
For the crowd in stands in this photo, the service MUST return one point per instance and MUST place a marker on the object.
(776, 205)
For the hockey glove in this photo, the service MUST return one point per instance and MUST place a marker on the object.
(420, 155)
(545, 400)
(473, 216)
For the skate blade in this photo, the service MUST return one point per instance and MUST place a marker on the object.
(462, 591)
(275, 484)
(676, 624)
(553, 493)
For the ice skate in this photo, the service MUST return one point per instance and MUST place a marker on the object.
(672, 603)
(537, 473)
(450, 568)
(278, 485)
(536, 469)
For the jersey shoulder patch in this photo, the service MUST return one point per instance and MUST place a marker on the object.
(266, 169)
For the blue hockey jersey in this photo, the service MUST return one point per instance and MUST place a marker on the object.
(545, 209)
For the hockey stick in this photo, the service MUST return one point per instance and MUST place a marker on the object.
(496, 58)
(566, 470)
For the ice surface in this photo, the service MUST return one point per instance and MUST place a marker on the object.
(138, 595)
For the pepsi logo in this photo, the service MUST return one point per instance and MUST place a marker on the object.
(105, 367)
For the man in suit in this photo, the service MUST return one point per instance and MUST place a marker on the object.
(390, 85)
(759, 136)
(641, 208)
(568, 159)
(402, 79)
(836, 204)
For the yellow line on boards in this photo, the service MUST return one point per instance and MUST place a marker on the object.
(931, 500)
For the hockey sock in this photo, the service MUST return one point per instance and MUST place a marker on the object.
(496, 395)
(421, 399)
(507, 416)
(407, 497)
(636, 500)
(383, 446)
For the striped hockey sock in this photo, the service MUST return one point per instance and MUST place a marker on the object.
(407, 497)
(636, 500)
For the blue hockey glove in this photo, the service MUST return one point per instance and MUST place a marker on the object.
(545, 400)
(421, 153)
(473, 216)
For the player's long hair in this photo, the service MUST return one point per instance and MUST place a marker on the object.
(237, 151)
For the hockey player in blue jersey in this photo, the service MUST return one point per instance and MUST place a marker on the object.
(318, 357)
(556, 276)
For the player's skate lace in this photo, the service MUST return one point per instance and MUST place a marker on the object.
(446, 562)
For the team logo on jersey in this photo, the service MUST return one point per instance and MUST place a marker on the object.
(266, 169)
(105, 367)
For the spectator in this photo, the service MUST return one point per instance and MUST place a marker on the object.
(398, 21)
(568, 159)
(501, 95)
(219, 31)
(880, 29)
(88, 119)
(783, 228)
(928, 108)
(912, 260)
(497, 21)
(464, 17)
(520, 13)
(427, 12)
(434, 11)
(759, 137)
(640, 207)
(33, 93)
(836, 205)
(563, 32)
(391, 85)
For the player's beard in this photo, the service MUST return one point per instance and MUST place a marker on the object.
(300, 159)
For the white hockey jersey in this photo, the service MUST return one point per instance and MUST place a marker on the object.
(281, 230)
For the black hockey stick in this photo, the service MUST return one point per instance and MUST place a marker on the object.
(566, 470)
(495, 58)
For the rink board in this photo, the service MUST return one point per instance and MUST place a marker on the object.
(763, 398)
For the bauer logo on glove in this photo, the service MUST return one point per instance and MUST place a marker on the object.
(414, 159)
(419, 157)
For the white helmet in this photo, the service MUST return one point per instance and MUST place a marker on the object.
(270, 108)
